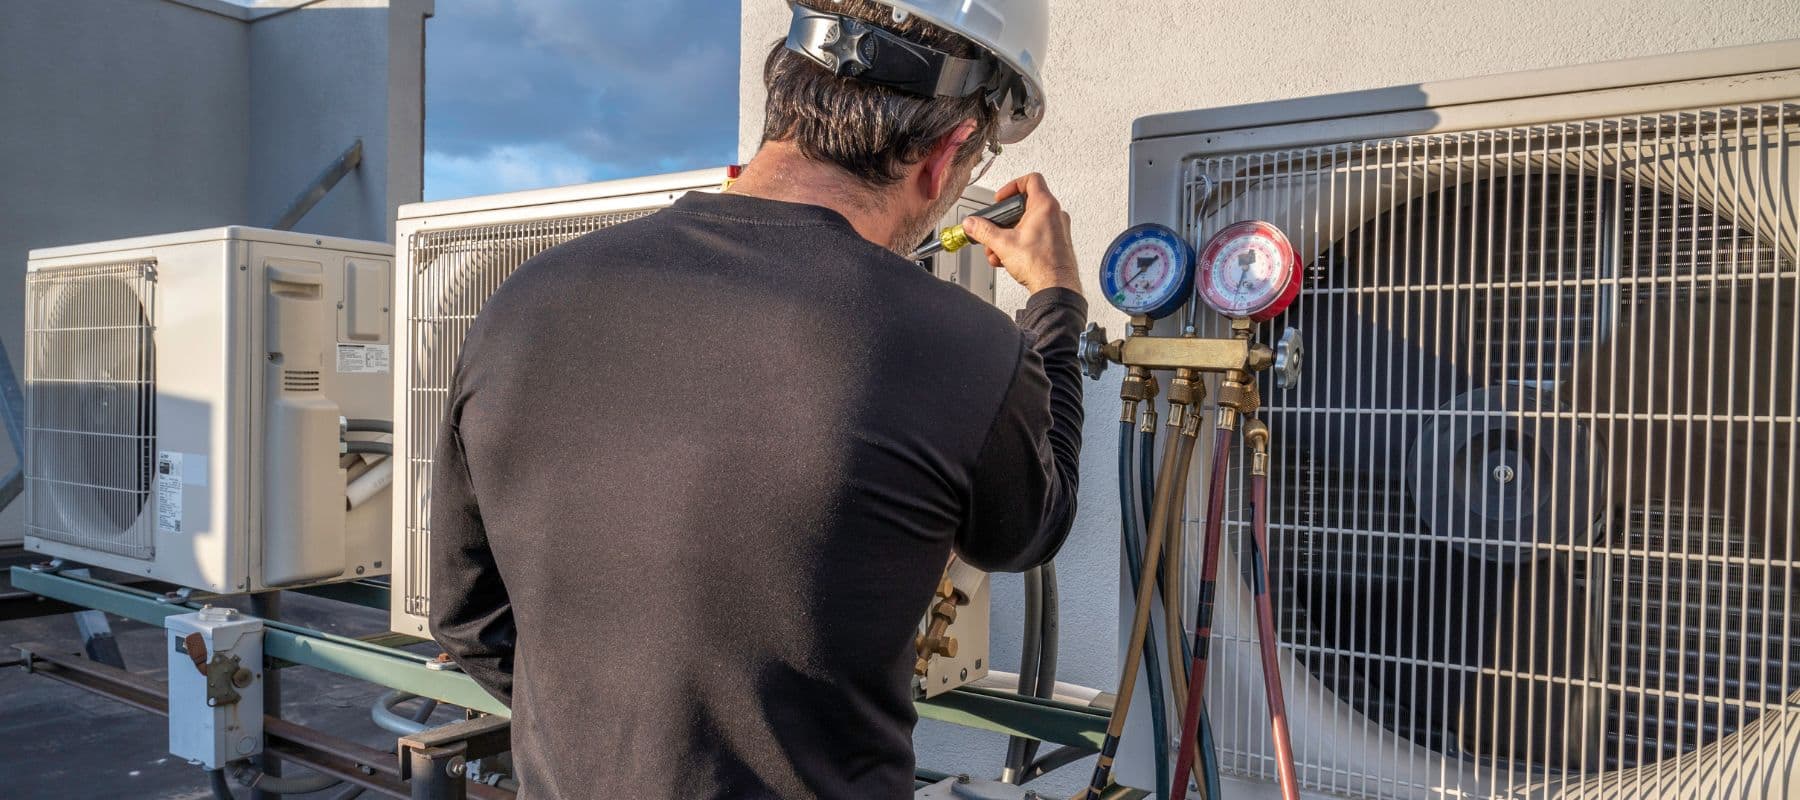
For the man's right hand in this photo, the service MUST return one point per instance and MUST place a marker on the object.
(1038, 252)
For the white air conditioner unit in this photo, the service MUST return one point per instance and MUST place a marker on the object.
(1533, 530)
(183, 400)
(455, 253)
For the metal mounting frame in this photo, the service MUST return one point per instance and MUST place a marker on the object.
(1044, 720)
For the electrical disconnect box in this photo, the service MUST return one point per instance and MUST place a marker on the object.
(215, 686)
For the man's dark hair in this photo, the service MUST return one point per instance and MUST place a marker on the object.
(871, 131)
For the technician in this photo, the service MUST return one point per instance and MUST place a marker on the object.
(702, 470)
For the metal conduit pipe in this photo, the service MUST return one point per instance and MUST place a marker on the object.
(385, 718)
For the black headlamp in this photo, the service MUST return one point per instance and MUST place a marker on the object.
(856, 49)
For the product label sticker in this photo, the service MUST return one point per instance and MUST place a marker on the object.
(362, 357)
(170, 475)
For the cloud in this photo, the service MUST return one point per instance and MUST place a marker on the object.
(506, 168)
(541, 88)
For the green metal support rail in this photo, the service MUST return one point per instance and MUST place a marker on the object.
(1044, 720)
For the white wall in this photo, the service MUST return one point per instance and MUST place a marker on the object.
(127, 117)
(1111, 61)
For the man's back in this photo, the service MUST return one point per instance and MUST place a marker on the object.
(700, 475)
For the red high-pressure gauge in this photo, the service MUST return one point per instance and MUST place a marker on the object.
(1249, 270)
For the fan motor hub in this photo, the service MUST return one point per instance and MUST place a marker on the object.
(1498, 476)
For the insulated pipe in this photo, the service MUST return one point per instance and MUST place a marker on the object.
(1071, 693)
(1140, 625)
(369, 425)
(1048, 642)
(365, 446)
(370, 483)
(1030, 658)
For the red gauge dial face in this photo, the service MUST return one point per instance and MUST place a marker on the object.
(1249, 270)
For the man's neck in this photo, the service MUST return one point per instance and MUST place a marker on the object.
(779, 171)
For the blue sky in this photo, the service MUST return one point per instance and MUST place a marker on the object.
(521, 94)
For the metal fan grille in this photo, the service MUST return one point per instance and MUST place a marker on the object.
(1535, 498)
(454, 272)
(90, 413)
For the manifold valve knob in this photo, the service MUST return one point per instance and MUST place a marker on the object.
(1288, 355)
(1091, 351)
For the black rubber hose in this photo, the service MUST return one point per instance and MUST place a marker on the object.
(369, 425)
(1134, 529)
(376, 448)
(1055, 760)
(1048, 642)
(221, 788)
(1030, 658)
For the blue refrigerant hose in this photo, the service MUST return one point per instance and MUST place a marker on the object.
(1133, 533)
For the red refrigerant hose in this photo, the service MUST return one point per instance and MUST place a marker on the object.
(1209, 579)
(1265, 629)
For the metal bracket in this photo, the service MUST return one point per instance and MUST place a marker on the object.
(435, 762)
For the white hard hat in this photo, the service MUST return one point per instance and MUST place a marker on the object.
(1015, 32)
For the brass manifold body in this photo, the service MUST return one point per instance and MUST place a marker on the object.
(1235, 357)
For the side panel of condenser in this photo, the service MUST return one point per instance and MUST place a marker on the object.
(321, 355)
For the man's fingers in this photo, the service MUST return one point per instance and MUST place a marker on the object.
(986, 232)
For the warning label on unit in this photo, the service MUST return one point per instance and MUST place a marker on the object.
(362, 357)
(169, 479)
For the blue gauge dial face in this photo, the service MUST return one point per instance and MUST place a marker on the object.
(1149, 271)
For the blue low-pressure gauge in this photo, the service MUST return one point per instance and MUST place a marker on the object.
(1149, 271)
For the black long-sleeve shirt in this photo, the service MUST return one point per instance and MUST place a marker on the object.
(699, 476)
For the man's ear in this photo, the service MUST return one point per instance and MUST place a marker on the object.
(940, 164)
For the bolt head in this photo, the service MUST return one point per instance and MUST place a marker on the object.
(1504, 473)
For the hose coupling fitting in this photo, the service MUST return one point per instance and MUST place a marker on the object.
(1187, 388)
(1256, 434)
(1228, 418)
(1190, 427)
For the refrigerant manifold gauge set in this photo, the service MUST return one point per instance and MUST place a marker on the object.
(1248, 272)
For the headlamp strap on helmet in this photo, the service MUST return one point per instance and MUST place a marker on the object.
(856, 49)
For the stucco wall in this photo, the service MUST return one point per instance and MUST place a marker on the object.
(128, 117)
(1111, 61)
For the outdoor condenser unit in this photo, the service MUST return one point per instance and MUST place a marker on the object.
(1534, 521)
(184, 396)
(455, 253)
